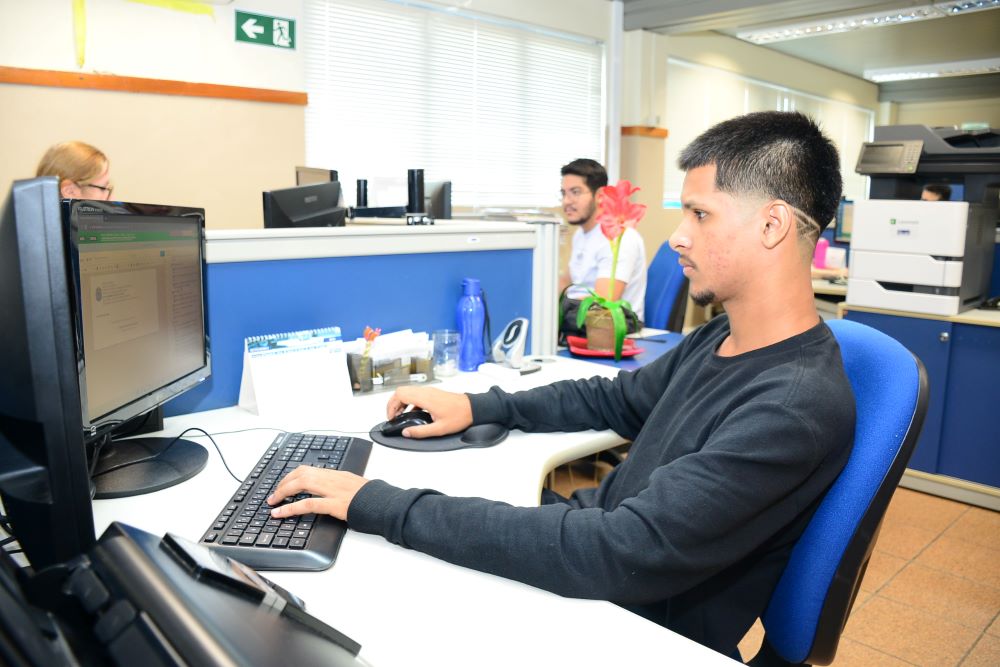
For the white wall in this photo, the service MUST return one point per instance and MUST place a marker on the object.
(950, 112)
(137, 39)
(220, 154)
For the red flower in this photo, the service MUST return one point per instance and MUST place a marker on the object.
(614, 210)
(371, 334)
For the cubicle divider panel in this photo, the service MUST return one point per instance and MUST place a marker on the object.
(411, 291)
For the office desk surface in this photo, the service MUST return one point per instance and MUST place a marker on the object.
(406, 608)
(824, 286)
(653, 346)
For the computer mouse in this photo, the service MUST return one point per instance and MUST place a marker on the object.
(484, 435)
(394, 427)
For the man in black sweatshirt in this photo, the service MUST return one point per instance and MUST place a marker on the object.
(737, 432)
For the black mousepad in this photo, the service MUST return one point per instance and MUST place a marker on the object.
(480, 435)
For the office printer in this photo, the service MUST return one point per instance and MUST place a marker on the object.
(921, 256)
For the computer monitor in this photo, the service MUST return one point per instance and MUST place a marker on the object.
(311, 175)
(44, 481)
(437, 199)
(137, 280)
(315, 205)
(845, 221)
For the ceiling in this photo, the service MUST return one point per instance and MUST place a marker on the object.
(973, 36)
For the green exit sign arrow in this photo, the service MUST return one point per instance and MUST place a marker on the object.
(266, 30)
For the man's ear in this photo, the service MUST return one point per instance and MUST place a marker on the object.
(779, 223)
(69, 190)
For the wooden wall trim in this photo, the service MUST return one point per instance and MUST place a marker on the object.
(645, 131)
(133, 84)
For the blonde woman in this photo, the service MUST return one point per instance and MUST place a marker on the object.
(83, 171)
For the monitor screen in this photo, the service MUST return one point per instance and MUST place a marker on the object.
(138, 274)
(316, 205)
(137, 278)
(845, 222)
(44, 481)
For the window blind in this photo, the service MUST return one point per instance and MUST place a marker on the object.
(711, 95)
(493, 106)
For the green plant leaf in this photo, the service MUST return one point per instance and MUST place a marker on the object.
(581, 314)
(618, 319)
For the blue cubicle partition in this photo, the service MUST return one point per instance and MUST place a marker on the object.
(393, 292)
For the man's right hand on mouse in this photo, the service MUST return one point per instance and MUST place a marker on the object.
(451, 412)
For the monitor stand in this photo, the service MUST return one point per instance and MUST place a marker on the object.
(133, 466)
(136, 466)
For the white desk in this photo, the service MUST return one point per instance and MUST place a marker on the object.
(406, 608)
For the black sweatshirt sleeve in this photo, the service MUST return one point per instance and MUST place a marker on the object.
(691, 520)
(621, 404)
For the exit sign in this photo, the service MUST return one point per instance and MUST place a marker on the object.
(266, 30)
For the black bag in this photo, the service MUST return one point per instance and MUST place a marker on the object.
(568, 309)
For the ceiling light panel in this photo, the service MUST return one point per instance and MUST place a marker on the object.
(838, 24)
(933, 71)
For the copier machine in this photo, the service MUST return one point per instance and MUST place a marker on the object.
(923, 256)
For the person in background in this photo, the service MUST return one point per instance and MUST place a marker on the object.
(83, 171)
(738, 432)
(936, 192)
(590, 258)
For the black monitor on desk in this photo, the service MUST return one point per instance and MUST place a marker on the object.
(103, 306)
(844, 221)
(44, 482)
(315, 205)
(137, 281)
(437, 199)
(87, 291)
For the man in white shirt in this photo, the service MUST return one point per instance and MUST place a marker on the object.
(590, 258)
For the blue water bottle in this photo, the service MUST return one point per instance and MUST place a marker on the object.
(471, 317)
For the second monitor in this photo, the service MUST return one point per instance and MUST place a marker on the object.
(437, 199)
(315, 205)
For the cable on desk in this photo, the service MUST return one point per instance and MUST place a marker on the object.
(169, 444)
(204, 433)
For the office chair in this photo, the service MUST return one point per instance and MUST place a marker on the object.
(666, 291)
(810, 605)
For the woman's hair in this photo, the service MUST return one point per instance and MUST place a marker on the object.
(73, 160)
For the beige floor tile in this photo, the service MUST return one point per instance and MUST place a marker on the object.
(995, 628)
(904, 539)
(980, 526)
(881, 568)
(986, 653)
(921, 509)
(855, 654)
(964, 559)
(909, 634)
(955, 598)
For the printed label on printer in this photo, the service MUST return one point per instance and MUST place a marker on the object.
(905, 227)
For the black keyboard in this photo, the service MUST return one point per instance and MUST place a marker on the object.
(245, 531)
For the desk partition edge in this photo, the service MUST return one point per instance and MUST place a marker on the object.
(263, 245)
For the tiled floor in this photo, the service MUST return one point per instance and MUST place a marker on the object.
(931, 595)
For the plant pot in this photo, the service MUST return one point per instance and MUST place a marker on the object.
(600, 329)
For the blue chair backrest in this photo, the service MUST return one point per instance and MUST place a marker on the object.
(810, 605)
(664, 283)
